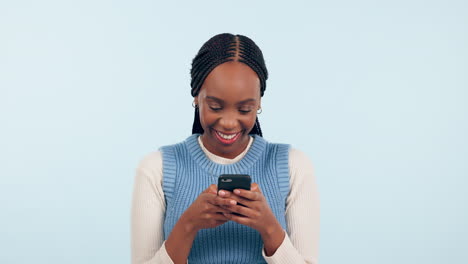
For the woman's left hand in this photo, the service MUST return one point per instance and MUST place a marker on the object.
(256, 213)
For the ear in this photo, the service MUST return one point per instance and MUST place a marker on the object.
(196, 100)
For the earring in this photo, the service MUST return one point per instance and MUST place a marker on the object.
(260, 109)
(194, 105)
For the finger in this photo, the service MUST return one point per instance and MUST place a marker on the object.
(216, 200)
(241, 200)
(251, 195)
(214, 217)
(221, 210)
(242, 210)
(255, 187)
(224, 193)
(218, 209)
(239, 219)
(211, 189)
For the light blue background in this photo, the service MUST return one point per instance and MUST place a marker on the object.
(375, 92)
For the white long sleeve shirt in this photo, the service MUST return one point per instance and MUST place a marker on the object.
(300, 244)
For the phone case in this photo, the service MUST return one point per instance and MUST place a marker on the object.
(229, 182)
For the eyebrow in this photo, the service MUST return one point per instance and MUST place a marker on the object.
(221, 101)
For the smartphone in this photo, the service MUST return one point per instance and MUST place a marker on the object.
(229, 182)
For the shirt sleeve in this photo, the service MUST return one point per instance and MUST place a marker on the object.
(147, 213)
(300, 244)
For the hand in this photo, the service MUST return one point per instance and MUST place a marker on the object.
(205, 211)
(255, 213)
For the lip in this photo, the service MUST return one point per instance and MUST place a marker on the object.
(227, 141)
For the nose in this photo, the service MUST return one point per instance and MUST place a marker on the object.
(229, 122)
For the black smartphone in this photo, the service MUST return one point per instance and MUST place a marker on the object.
(229, 182)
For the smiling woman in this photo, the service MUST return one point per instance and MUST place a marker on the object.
(178, 215)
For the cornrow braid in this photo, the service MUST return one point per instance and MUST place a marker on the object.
(220, 49)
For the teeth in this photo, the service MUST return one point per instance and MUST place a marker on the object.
(226, 136)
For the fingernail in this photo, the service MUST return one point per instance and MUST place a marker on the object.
(222, 193)
(233, 202)
(236, 191)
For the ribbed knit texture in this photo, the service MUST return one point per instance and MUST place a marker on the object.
(187, 172)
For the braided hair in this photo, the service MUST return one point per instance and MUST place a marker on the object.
(220, 49)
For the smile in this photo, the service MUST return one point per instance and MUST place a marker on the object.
(227, 138)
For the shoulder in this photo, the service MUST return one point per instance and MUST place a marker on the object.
(301, 169)
(275, 149)
(189, 144)
(151, 162)
(298, 158)
(295, 156)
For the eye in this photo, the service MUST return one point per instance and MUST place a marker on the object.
(245, 111)
(215, 108)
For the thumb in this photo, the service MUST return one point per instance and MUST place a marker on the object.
(211, 189)
(255, 188)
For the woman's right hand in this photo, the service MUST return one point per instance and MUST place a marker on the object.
(205, 211)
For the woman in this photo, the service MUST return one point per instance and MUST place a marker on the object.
(177, 213)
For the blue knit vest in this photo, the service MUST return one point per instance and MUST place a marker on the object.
(187, 172)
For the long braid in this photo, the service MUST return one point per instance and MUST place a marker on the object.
(197, 128)
(220, 49)
(257, 130)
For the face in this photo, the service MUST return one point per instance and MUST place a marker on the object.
(228, 102)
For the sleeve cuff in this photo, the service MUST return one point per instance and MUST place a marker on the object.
(286, 253)
(163, 256)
